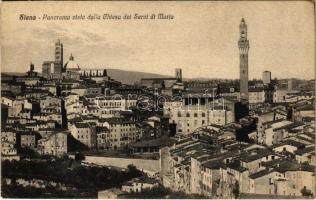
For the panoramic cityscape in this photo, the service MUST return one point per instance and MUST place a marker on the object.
(73, 132)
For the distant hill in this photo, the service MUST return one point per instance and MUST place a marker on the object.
(127, 77)
(130, 77)
(13, 73)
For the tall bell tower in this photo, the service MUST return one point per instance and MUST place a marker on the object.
(59, 56)
(243, 45)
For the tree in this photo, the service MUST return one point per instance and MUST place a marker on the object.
(84, 178)
(133, 171)
(79, 156)
(27, 152)
(305, 192)
(127, 150)
(289, 114)
(236, 191)
(160, 192)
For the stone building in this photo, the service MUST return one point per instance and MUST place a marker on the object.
(103, 135)
(8, 151)
(54, 143)
(121, 132)
(190, 116)
(28, 139)
(166, 86)
(139, 184)
(85, 133)
(266, 77)
(54, 69)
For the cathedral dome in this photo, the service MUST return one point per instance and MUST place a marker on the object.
(71, 64)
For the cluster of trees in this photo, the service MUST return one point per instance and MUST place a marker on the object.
(243, 132)
(236, 191)
(160, 192)
(65, 171)
(306, 193)
(15, 191)
(27, 152)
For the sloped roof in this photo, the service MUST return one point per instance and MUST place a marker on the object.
(261, 173)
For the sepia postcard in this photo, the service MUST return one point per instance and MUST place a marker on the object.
(158, 99)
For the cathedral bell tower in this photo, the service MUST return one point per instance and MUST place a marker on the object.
(243, 45)
(59, 56)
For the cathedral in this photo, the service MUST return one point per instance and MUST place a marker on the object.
(71, 70)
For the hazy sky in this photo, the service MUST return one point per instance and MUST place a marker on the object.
(201, 39)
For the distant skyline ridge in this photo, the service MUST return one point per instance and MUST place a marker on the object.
(130, 77)
(200, 40)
